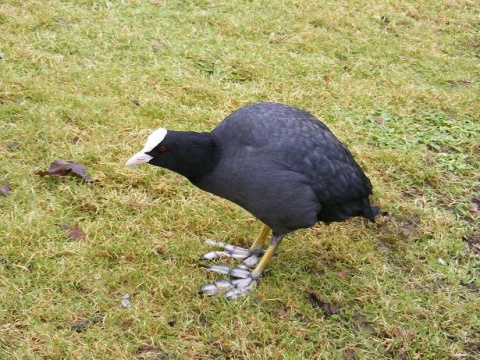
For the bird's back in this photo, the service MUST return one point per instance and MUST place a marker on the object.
(264, 124)
(293, 147)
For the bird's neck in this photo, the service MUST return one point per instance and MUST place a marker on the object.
(201, 153)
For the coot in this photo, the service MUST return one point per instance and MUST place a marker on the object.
(279, 163)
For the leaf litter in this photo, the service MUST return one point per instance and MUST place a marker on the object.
(5, 188)
(328, 309)
(65, 168)
(75, 233)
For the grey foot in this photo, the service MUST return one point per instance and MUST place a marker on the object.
(242, 279)
(233, 289)
(250, 258)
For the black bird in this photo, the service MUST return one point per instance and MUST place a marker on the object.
(279, 163)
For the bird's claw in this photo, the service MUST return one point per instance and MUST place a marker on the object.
(241, 271)
(233, 289)
(242, 279)
(242, 288)
(231, 251)
(215, 287)
(250, 258)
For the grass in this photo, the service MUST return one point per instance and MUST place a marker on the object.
(86, 81)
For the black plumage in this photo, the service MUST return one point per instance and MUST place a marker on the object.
(278, 162)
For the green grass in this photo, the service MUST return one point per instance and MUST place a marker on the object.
(397, 81)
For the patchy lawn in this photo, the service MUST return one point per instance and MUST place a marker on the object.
(86, 81)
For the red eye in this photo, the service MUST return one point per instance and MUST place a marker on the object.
(162, 149)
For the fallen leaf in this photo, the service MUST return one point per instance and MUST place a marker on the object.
(13, 146)
(342, 275)
(280, 312)
(65, 168)
(327, 79)
(5, 188)
(83, 325)
(378, 120)
(459, 82)
(327, 309)
(349, 354)
(409, 225)
(202, 321)
(63, 22)
(362, 324)
(158, 45)
(405, 333)
(75, 233)
(473, 347)
(303, 319)
(80, 326)
(172, 321)
(473, 208)
(75, 139)
(473, 243)
(331, 309)
(151, 352)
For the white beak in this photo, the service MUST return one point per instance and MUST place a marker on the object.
(139, 158)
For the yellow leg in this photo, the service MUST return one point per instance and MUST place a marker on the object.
(257, 272)
(260, 238)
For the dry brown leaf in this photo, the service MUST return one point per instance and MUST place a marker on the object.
(82, 325)
(75, 233)
(151, 352)
(316, 302)
(379, 120)
(67, 168)
(473, 208)
(5, 188)
(473, 243)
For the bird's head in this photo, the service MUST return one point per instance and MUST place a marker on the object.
(188, 153)
(151, 150)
